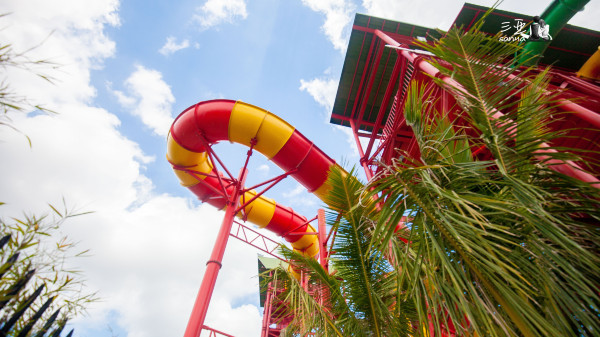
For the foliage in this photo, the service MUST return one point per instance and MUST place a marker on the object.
(501, 245)
(506, 246)
(360, 298)
(39, 292)
(11, 101)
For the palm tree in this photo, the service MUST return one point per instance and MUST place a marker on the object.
(501, 245)
(361, 297)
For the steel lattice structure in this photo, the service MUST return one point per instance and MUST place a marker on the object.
(380, 64)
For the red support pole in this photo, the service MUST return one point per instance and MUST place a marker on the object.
(213, 265)
(361, 153)
(322, 239)
(267, 313)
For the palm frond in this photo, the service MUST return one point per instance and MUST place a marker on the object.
(362, 294)
(497, 246)
(505, 246)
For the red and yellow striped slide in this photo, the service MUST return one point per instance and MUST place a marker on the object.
(210, 122)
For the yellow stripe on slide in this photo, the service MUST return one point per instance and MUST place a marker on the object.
(294, 273)
(323, 191)
(310, 251)
(196, 161)
(248, 121)
(306, 241)
(260, 211)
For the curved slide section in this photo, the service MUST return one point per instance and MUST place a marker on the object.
(210, 122)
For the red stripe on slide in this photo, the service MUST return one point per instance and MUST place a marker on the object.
(285, 220)
(292, 152)
(207, 194)
(313, 172)
(312, 164)
(210, 118)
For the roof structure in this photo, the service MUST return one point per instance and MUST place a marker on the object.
(369, 64)
(363, 48)
(382, 60)
(265, 264)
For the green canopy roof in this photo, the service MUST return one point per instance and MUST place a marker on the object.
(568, 51)
(265, 264)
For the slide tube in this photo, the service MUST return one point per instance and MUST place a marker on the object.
(207, 123)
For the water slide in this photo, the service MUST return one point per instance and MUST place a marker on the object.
(207, 123)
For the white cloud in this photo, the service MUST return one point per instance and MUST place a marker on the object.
(216, 12)
(338, 15)
(171, 46)
(322, 90)
(349, 137)
(415, 12)
(209, 94)
(67, 33)
(148, 251)
(245, 317)
(148, 97)
(151, 264)
(588, 18)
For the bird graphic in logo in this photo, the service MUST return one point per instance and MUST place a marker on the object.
(539, 30)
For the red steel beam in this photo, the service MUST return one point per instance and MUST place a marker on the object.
(213, 265)
(389, 91)
(397, 37)
(387, 61)
(370, 79)
(298, 227)
(211, 153)
(362, 77)
(356, 68)
(215, 332)
(201, 181)
(265, 244)
(566, 167)
(361, 153)
(258, 195)
(278, 178)
(348, 119)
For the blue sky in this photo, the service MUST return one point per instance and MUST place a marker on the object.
(126, 69)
